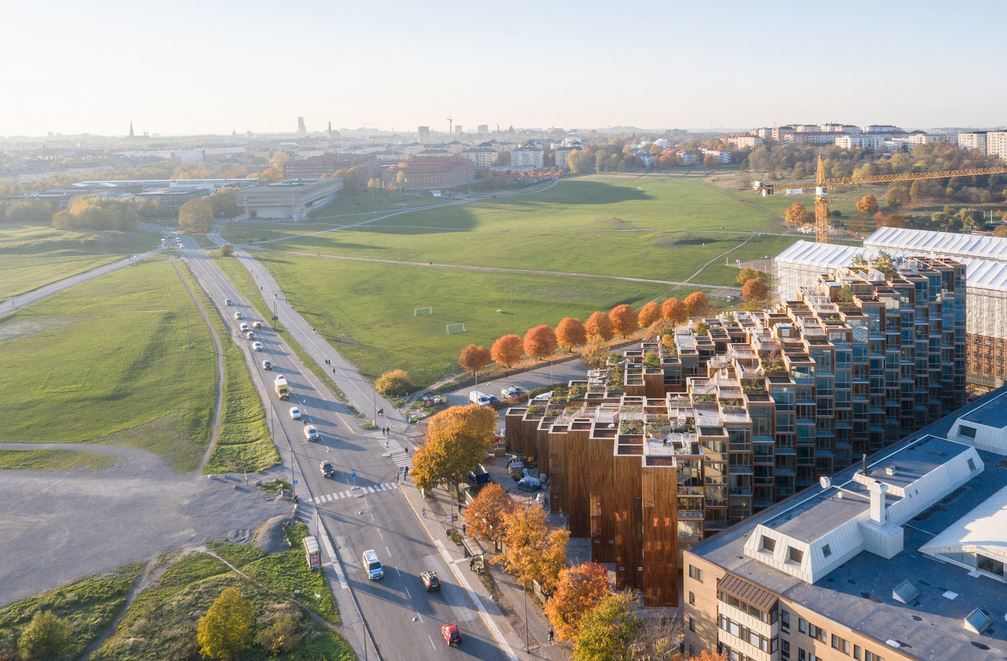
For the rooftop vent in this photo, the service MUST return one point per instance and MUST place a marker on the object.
(905, 592)
(977, 621)
(890, 470)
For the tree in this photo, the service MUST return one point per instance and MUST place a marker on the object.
(1000, 231)
(531, 551)
(225, 202)
(696, 304)
(755, 289)
(648, 314)
(624, 320)
(400, 179)
(457, 439)
(578, 590)
(507, 350)
(394, 382)
(674, 310)
(228, 626)
(540, 342)
(570, 333)
(599, 325)
(896, 196)
(226, 250)
(485, 514)
(473, 358)
(595, 353)
(797, 215)
(45, 637)
(27, 211)
(707, 655)
(283, 634)
(355, 180)
(607, 631)
(196, 216)
(868, 204)
(97, 213)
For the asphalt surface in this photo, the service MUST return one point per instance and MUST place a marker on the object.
(362, 507)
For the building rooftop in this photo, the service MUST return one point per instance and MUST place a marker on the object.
(991, 416)
(948, 243)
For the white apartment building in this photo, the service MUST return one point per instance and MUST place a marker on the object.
(745, 141)
(863, 141)
(527, 157)
(973, 140)
(996, 144)
(482, 157)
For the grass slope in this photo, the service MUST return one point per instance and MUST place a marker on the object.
(123, 359)
(53, 460)
(88, 606)
(35, 255)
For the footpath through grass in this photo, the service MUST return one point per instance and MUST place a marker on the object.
(124, 359)
(32, 256)
(53, 460)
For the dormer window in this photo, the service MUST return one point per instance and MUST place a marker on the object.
(768, 544)
(795, 555)
(826, 551)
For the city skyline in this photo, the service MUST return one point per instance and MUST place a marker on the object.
(250, 68)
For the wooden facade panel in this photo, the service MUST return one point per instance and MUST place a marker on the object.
(661, 570)
(598, 478)
(626, 514)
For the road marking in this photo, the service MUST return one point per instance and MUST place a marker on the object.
(354, 491)
(380, 535)
(331, 552)
(388, 552)
(399, 572)
(431, 642)
(409, 595)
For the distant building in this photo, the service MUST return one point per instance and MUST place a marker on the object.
(765, 133)
(482, 129)
(423, 134)
(911, 140)
(481, 157)
(996, 144)
(883, 128)
(973, 140)
(832, 127)
(315, 167)
(560, 154)
(288, 200)
(527, 156)
(435, 172)
(689, 158)
(301, 128)
(745, 141)
(722, 155)
(811, 137)
(458, 130)
(862, 141)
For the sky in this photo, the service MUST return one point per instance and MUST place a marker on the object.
(213, 66)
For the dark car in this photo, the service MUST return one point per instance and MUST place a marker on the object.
(430, 581)
(451, 634)
(327, 470)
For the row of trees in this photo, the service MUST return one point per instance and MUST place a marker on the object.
(25, 211)
(97, 213)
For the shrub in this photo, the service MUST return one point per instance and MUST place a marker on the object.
(395, 383)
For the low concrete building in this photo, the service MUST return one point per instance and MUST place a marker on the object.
(435, 172)
(288, 200)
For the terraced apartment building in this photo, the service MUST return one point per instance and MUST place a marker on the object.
(697, 429)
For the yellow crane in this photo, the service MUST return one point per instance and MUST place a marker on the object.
(822, 186)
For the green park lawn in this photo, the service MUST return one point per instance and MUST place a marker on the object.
(122, 359)
(53, 460)
(35, 255)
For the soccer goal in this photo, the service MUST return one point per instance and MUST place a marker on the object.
(451, 329)
(418, 311)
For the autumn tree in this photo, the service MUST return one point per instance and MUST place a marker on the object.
(473, 358)
(226, 250)
(648, 314)
(599, 325)
(755, 289)
(539, 342)
(868, 204)
(484, 516)
(457, 439)
(595, 353)
(896, 196)
(394, 382)
(624, 320)
(570, 333)
(707, 655)
(674, 310)
(97, 213)
(578, 590)
(608, 630)
(696, 304)
(196, 216)
(796, 214)
(225, 202)
(228, 626)
(531, 551)
(507, 350)
(746, 274)
(283, 634)
(45, 637)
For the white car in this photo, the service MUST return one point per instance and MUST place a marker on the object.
(244, 328)
(256, 324)
(257, 346)
(249, 335)
(295, 413)
(310, 433)
(238, 315)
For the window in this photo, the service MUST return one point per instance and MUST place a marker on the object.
(856, 652)
(972, 465)
(795, 555)
(802, 625)
(816, 632)
(692, 625)
(989, 564)
(966, 431)
(826, 550)
(768, 544)
(692, 598)
(785, 621)
(784, 650)
(696, 573)
(840, 644)
(870, 656)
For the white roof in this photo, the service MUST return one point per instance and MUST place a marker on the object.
(985, 274)
(939, 243)
(825, 255)
(982, 530)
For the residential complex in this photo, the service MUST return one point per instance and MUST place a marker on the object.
(288, 200)
(899, 557)
(527, 156)
(975, 140)
(325, 165)
(435, 172)
(698, 429)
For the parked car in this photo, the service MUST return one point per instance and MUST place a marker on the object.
(451, 634)
(257, 346)
(266, 365)
(327, 470)
(295, 413)
(511, 393)
(311, 433)
(430, 581)
(531, 484)
(482, 399)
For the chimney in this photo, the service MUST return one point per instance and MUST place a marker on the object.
(878, 490)
(863, 464)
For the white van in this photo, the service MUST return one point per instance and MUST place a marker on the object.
(372, 565)
(480, 398)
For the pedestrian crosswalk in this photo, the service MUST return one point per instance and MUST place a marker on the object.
(399, 455)
(353, 493)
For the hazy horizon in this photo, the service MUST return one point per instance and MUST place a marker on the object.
(179, 69)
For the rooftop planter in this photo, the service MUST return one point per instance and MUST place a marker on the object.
(631, 427)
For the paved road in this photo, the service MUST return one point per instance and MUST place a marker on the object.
(362, 507)
(17, 302)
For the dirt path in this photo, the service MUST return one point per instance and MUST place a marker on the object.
(151, 572)
(726, 252)
(218, 409)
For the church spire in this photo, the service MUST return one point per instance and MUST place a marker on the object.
(131, 128)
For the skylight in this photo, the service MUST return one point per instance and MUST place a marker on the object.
(905, 592)
(977, 621)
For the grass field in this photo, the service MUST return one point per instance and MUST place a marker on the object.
(123, 359)
(53, 460)
(35, 255)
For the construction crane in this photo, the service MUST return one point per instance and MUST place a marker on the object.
(822, 186)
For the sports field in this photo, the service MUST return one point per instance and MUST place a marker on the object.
(359, 285)
(35, 255)
(123, 359)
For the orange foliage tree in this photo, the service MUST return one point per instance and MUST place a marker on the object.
(696, 304)
(707, 655)
(755, 289)
(531, 550)
(473, 358)
(507, 350)
(578, 590)
(599, 325)
(674, 310)
(623, 319)
(648, 314)
(540, 342)
(797, 214)
(570, 333)
(457, 439)
(868, 204)
(485, 514)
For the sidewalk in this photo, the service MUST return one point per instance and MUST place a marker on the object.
(507, 612)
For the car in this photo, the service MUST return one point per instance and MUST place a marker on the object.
(239, 316)
(451, 634)
(430, 581)
(244, 328)
(266, 365)
(257, 346)
(511, 393)
(311, 433)
(493, 400)
(531, 484)
(249, 335)
(327, 470)
(256, 325)
(228, 302)
(295, 413)
(372, 565)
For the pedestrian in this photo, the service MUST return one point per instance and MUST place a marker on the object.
(463, 529)
(552, 635)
